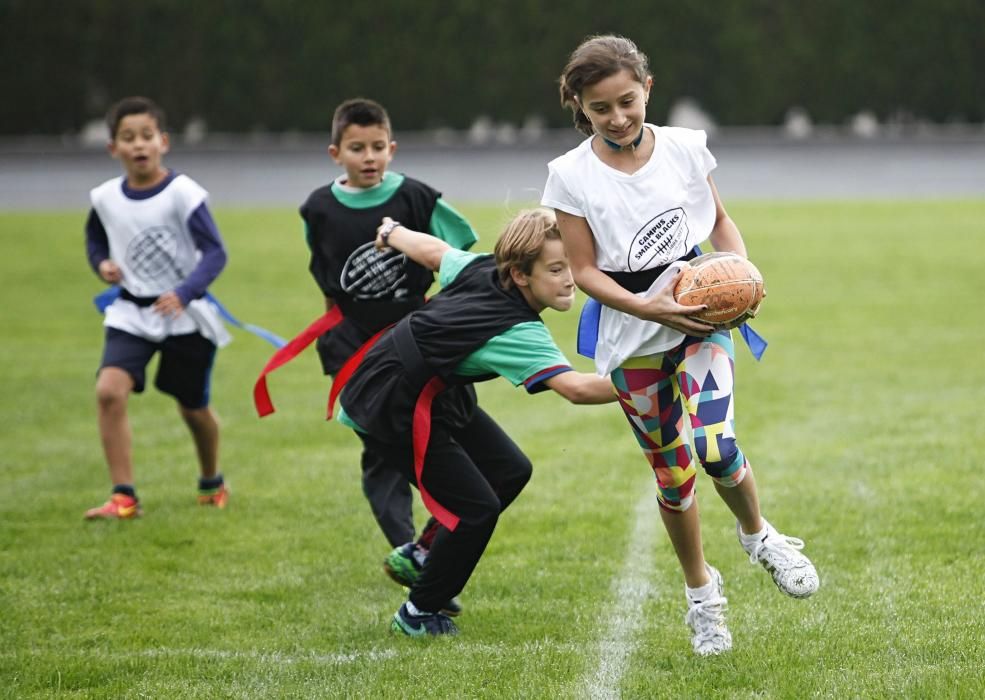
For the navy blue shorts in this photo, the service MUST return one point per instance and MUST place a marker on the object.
(184, 370)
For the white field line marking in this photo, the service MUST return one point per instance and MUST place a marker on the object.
(630, 591)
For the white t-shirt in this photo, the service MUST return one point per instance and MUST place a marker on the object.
(639, 221)
(150, 240)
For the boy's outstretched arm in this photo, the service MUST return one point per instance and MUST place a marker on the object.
(422, 248)
(582, 388)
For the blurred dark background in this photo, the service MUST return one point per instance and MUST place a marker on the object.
(283, 65)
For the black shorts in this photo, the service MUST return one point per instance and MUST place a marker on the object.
(184, 371)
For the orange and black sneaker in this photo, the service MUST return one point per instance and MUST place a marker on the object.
(218, 497)
(119, 507)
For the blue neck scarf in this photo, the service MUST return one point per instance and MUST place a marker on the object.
(616, 147)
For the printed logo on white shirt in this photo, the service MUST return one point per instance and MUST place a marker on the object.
(152, 253)
(663, 237)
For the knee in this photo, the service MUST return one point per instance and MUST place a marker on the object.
(483, 515)
(522, 472)
(676, 499)
(719, 457)
(675, 506)
(198, 419)
(513, 482)
(728, 467)
(112, 389)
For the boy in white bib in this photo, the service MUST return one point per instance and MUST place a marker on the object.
(150, 232)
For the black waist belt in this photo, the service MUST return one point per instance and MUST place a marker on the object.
(637, 282)
(139, 301)
(418, 370)
(371, 316)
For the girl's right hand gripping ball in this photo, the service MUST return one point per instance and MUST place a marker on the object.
(728, 283)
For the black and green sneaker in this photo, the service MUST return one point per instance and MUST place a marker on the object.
(404, 565)
(422, 625)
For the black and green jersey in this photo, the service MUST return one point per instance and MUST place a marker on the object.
(373, 288)
(474, 330)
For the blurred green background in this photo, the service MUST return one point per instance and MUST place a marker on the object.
(282, 65)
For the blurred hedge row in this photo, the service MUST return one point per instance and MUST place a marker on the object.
(284, 64)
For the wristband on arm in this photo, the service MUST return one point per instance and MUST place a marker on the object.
(386, 231)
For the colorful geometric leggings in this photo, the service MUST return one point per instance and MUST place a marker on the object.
(679, 404)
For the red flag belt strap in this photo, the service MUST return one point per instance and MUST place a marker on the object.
(419, 373)
(422, 436)
(261, 396)
(422, 408)
(347, 370)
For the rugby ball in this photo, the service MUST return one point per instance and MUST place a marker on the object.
(727, 283)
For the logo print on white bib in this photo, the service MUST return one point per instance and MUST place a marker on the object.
(662, 238)
(151, 255)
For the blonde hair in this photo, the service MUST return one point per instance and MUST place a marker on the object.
(520, 244)
(595, 59)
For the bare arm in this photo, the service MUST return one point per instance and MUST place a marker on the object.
(422, 248)
(725, 235)
(582, 388)
(661, 307)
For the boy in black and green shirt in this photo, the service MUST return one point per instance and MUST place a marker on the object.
(373, 288)
(412, 392)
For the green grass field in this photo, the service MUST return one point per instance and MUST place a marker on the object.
(863, 424)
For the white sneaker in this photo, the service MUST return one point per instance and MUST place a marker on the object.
(706, 619)
(792, 572)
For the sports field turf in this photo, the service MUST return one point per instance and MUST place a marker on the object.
(863, 424)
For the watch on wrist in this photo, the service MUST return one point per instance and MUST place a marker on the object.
(387, 230)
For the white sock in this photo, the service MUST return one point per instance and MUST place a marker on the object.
(756, 536)
(696, 595)
(413, 609)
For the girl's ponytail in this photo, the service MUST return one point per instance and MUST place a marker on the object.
(569, 100)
